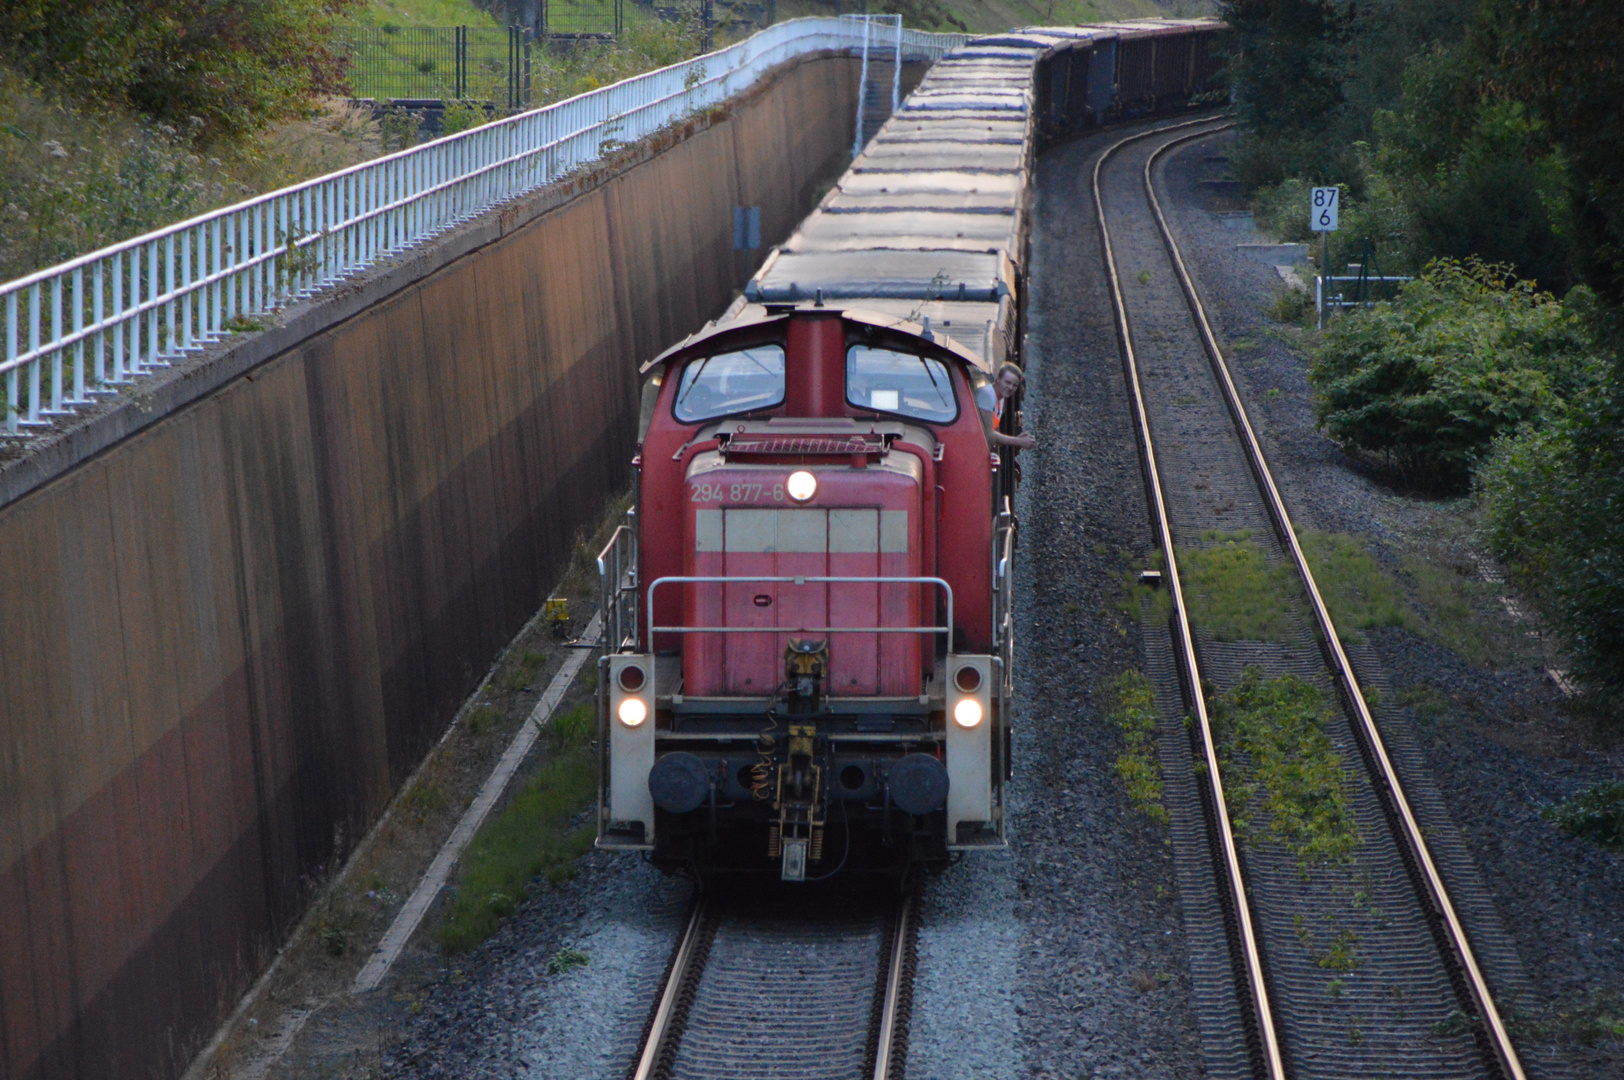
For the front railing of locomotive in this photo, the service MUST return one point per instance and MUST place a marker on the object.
(617, 607)
(925, 783)
(808, 739)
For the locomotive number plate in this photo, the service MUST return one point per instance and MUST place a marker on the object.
(736, 493)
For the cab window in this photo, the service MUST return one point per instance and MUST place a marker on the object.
(731, 382)
(884, 380)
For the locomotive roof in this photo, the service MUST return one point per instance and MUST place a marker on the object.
(748, 316)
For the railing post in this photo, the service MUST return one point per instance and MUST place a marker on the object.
(33, 347)
(169, 294)
(78, 323)
(896, 71)
(11, 357)
(97, 287)
(56, 354)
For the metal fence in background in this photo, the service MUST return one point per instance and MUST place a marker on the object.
(95, 324)
(484, 63)
(582, 19)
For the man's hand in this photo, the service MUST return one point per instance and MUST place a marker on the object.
(1023, 440)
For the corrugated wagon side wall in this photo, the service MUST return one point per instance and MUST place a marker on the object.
(226, 639)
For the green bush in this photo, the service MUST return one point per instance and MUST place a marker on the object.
(1595, 814)
(1281, 210)
(213, 68)
(1554, 498)
(1465, 354)
(1472, 171)
(462, 116)
(69, 184)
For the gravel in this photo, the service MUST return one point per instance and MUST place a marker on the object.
(1501, 742)
(966, 983)
(1063, 957)
(1067, 956)
(1103, 986)
(498, 1011)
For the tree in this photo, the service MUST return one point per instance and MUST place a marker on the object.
(1287, 62)
(211, 68)
(1310, 75)
(1565, 59)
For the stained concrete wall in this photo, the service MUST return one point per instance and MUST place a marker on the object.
(231, 628)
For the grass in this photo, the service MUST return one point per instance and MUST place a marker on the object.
(1427, 594)
(425, 13)
(1233, 591)
(1278, 759)
(567, 960)
(521, 672)
(1595, 814)
(535, 836)
(1424, 700)
(73, 179)
(1360, 594)
(482, 718)
(1597, 1017)
(1293, 307)
(1453, 605)
(1133, 710)
(425, 800)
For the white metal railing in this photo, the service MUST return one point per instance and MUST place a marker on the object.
(1325, 299)
(891, 27)
(96, 323)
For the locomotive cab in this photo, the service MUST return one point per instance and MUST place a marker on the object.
(807, 647)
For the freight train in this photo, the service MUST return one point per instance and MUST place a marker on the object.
(808, 623)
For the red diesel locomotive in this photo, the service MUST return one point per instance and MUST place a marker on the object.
(813, 679)
(807, 622)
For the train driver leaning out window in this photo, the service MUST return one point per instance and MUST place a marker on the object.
(990, 399)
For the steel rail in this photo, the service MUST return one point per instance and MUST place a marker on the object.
(1342, 669)
(885, 1058)
(1251, 956)
(666, 1013)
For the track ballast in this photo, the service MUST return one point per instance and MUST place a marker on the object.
(1415, 998)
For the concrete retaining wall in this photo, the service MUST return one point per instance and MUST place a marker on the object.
(232, 627)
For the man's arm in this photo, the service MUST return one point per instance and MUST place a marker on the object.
(1022, 441)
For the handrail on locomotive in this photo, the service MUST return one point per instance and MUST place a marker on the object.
(617, 587)
(799, 579)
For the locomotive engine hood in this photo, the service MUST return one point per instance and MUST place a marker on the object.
(854, 511)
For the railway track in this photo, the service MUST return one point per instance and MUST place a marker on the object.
(1407, 989)
(775, 990)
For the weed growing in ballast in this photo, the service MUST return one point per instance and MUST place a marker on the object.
(1278, 764)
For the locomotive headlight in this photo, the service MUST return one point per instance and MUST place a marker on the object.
(801, 485)
(967, 713)
(632, 712)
